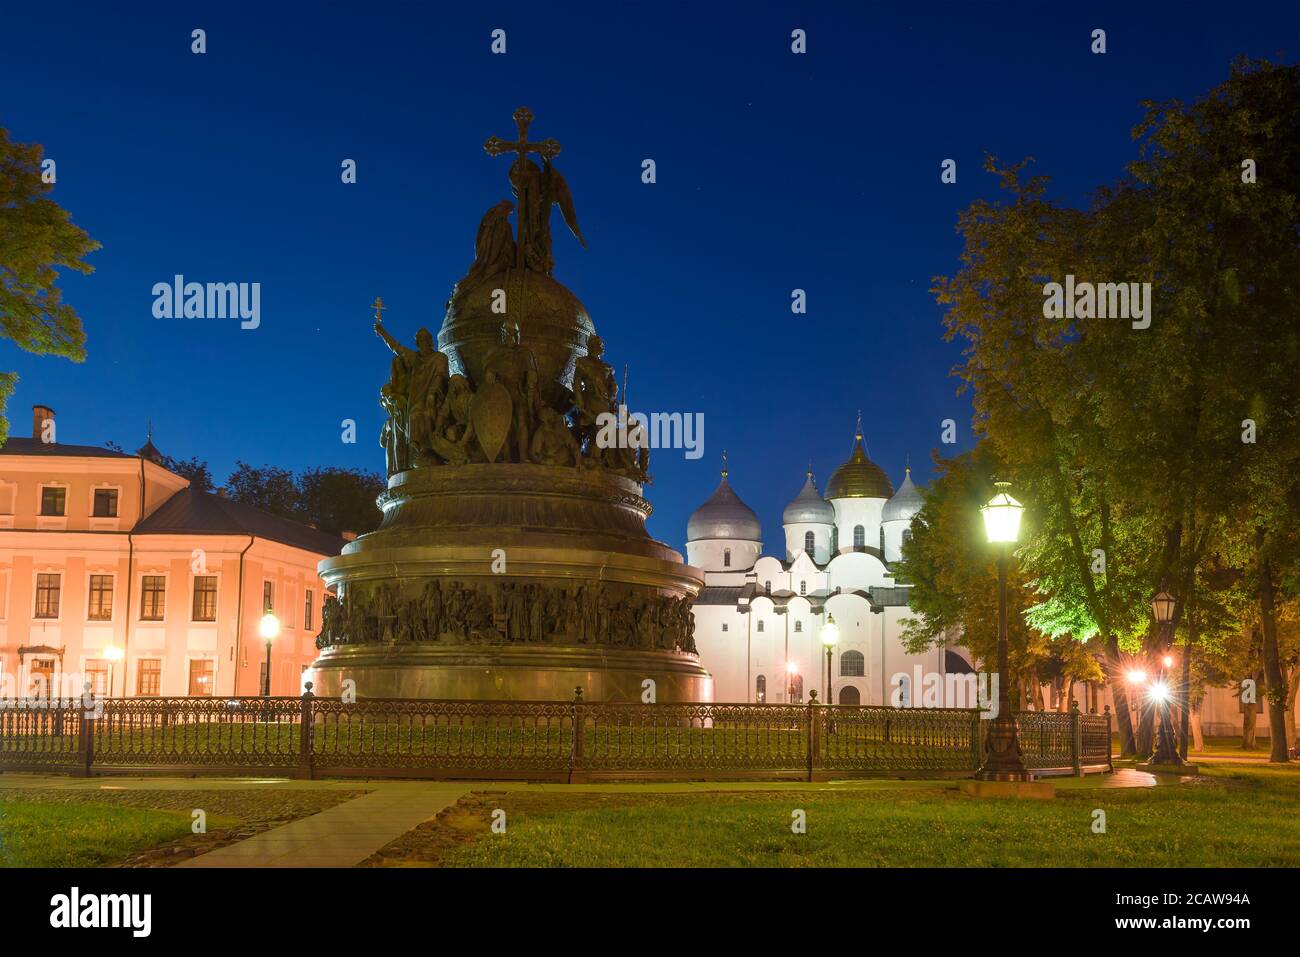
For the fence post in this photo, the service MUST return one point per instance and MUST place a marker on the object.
(86, 733)
(1076, 739)
(579, 731)
(1110, 749)
(813, 743)
(306, 733)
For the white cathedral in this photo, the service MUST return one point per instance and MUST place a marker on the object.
(759, 619)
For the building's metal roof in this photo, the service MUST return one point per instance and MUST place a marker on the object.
(190, 511)
(889, 597)
(720, 594)
(808, 507)
(15, 445)
(724, 516)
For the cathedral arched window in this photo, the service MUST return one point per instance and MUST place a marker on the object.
(809, 543)
(760, 689)
(835, 539)
(726, 558)
(724, 626)
(760, 624)
(882, 539)
(853, 665)
(907, 535)
(803, 588)
(798, 627)
(859, 537)
(767, 587)
(850, 695)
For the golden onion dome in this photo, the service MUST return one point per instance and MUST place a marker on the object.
(859, 477)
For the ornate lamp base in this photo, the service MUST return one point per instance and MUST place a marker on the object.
(1002, 760)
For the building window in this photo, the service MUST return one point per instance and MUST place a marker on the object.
(100, 607)
(268, 597)
(859, 537)
(798, 627)
(882, 539)
(809, 543)
(724, 626)
(40, 678)
(803, 588)
(306, 611)
(767, 587)
(97, 677)
(49, 588)
(105, 503)
(148, 677)
(850, 695)
(853, 665)
(907, 535)
(726, 558)
(153, 592)
(760, 689)
(200, 677)
(760, 624)
(835, 540)
(54, 500)
(205, 597)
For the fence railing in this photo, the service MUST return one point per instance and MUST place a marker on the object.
(553, 740)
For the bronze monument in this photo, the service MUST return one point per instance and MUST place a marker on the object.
(513, 559)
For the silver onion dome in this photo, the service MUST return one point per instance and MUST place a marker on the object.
(808, 507)
(724, 515)
(906, 502)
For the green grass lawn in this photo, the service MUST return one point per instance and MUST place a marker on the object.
(91, 827)
(34, 834)
(1230, 817)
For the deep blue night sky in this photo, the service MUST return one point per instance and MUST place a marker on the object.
(775, 171)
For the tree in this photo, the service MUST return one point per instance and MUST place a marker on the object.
(36, 236)
(269, 488)
(340, 500)
(194, 469)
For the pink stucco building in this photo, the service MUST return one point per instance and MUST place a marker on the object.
(114, 571)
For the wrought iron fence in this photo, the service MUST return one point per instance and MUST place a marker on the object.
(554, 740)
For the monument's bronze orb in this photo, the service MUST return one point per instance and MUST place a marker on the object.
(552, 323)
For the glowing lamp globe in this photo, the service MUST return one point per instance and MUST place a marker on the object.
(830, 632)
(1002, 515)
(113, 653)
(269, 627)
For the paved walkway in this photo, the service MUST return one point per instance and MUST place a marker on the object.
(348, 833)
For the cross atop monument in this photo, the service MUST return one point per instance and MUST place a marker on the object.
(379, 307)
(547, 149)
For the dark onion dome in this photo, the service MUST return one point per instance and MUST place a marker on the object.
(724, 515)
(859, 477)
(905, 504)
(809, 507)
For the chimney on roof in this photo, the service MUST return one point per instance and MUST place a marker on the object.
(43, 423)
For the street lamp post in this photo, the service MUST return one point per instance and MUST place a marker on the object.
(1166, 749)
(269, 629)
(114, 654)
(1002, 761)
(830, 637)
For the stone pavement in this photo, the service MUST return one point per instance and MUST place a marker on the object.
(348, 833)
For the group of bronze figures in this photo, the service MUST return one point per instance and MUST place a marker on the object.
(507, 613)
(439, 418)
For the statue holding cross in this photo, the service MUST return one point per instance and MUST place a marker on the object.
(536, 189)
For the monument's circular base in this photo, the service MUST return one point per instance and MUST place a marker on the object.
(434, 671)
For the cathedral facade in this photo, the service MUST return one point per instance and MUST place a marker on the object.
(760, 620)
